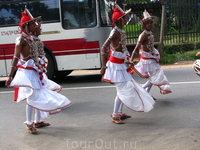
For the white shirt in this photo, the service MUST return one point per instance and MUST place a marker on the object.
(71, 18)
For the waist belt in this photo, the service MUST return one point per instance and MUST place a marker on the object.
(29, 68)
(145, 57)
(116, 60)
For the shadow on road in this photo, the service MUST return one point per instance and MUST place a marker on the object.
(2, 83)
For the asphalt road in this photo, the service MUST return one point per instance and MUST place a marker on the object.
(174, 123)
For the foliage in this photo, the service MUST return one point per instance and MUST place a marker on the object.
(182, 16)
(168, 59)
(180, 48)
(132, 30)
(179, 56)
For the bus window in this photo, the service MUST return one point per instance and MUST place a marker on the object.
(87, 11)
(78, 13)
(10, 12)
(105, 13)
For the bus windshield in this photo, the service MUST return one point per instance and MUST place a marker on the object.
(78, 13)
(10, 12)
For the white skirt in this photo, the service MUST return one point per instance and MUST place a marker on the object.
(144, 66)
(41, 97)
(134, 96)
(117, 72)
(150, 68)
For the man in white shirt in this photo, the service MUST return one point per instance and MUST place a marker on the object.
(69, 19)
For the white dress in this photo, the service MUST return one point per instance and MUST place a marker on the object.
(148, 67)
(128, 90)
(41, 97)
(32, 83)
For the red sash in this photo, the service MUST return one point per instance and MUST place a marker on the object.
(141, 57)
(30, 68)
(16, 93)
(116, 60)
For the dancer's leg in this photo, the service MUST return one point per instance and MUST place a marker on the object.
(38, 122)
(147, 84)
(121, 114)
(117, 105)
(149, 87)
(28, 115)
(115, 117)
(37, 116)
(120, 108)
(29, 123)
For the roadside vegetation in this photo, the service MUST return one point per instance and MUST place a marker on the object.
(179, 56)
(180, 52)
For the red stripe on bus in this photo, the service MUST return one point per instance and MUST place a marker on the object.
(79, 40)
(76, 52)
(7, 45)
(69, 46)
(58, 48)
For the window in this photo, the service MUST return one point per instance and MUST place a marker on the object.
(106, 13)
(10, 11)
(78, 13)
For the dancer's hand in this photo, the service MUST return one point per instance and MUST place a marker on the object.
(198, 53)
(8, 81)
(102, 71)
(130, 66)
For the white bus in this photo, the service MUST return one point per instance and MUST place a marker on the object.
(72, 39)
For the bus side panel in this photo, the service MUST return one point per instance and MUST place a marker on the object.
(75, 62)
(2, 63)
(72, 54)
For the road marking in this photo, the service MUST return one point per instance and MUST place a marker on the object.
(100, 87)
(191, 82)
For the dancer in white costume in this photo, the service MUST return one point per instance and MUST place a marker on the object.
(33, 85)
(148, 65)
(114, 71)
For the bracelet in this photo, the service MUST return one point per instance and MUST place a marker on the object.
(104, 67)
(104, 46)
(15, 57)
(12, 67)
(102, 53)
(134, 52)
(130, 61)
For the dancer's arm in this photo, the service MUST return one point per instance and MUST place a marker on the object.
(141, 40)
(104, 55)
(13, 66)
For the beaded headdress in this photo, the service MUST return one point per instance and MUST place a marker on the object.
(27, 17)
(148, 17)
(118, 13)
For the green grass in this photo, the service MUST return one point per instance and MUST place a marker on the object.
(179, 56)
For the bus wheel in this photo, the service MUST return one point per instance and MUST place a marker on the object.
(62, 74)
(50, 67)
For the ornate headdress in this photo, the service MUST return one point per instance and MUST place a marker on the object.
(27, 17)
(148, 17)
(118, 13)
